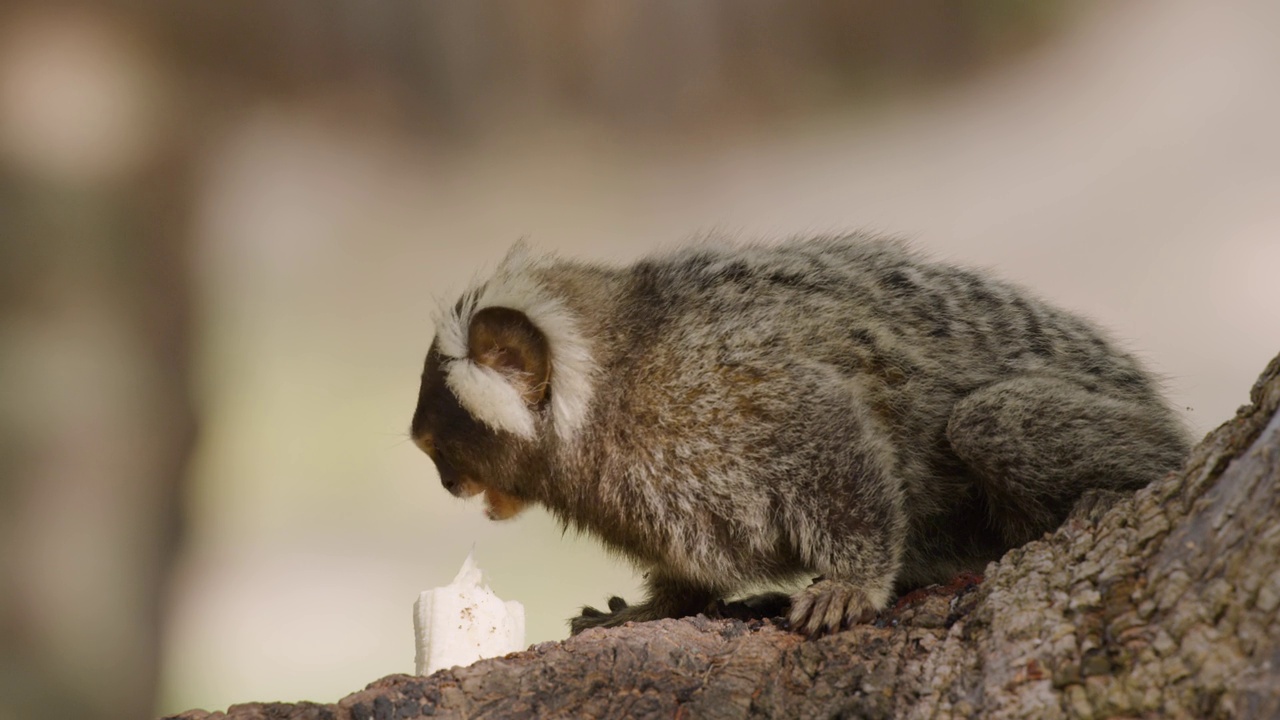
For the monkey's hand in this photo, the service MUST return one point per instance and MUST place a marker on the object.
(619, 612)
(668, 598)
(829, 606)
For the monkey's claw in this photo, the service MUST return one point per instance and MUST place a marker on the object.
(829, 606)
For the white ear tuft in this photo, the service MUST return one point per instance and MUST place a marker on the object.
(515, 285)
(572, 368)
(520, 256)
(490, 398)
(452, 321)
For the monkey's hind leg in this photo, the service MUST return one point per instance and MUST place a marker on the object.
(1035, 445)
(847, 522)
(668, 598)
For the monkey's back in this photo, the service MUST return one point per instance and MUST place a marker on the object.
(713, 356)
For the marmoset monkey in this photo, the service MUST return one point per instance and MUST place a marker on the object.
(730, 416)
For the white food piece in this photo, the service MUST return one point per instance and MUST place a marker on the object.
(463, 622)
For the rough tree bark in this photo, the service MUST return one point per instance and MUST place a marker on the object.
(1162, 604)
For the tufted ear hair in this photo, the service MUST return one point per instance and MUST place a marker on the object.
(506, 341)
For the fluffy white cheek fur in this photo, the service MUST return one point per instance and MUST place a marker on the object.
(490, 398)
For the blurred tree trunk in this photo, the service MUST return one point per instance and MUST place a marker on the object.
(1163, 604)
(98, 425)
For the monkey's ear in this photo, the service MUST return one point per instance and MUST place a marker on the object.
(507, 341)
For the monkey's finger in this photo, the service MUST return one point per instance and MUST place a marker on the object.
(588, 611)
(818, 615)
(836, 608)
(616, 603)
(858, 613)
(813, 627)
(800, 608)
(810, 622)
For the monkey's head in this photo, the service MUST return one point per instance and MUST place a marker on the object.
(483, 405)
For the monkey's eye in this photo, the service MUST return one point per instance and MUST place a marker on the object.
(426, 444)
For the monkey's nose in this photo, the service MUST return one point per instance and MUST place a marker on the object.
(450, 478)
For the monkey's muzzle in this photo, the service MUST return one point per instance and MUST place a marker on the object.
(498, 505)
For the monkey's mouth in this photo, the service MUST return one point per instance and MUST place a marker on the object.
(466, 487)
(497, 504)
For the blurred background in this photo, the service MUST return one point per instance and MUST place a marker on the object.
(223, 224)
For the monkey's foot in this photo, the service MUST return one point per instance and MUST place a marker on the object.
(620, 612)
(829, 606)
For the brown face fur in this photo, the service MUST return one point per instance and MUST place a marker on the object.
(470, 457)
